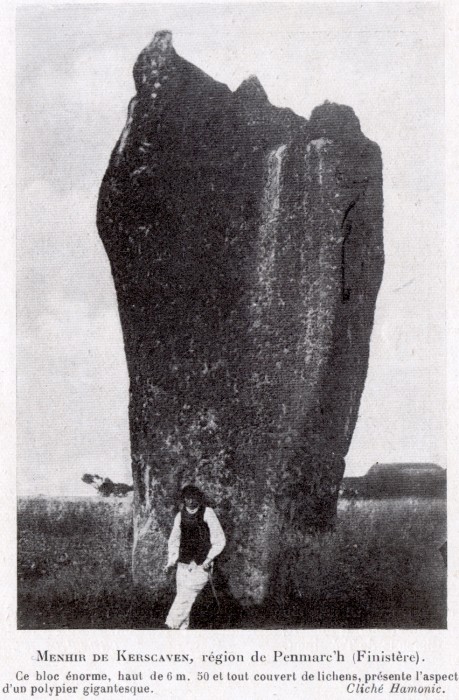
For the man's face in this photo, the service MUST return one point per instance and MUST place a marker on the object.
(191, 502)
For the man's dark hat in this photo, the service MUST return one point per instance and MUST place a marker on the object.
(190, 491)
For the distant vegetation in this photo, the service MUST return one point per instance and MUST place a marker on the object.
(397, 480)
(106, 487)
(381, 567)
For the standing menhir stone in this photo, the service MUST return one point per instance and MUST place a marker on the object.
(246, 248)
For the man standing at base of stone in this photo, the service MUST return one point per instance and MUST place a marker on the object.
(196, 539)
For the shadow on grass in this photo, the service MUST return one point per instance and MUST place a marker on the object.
(131, 609)
(135, 609)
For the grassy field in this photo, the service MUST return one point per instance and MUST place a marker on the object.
(380, 568)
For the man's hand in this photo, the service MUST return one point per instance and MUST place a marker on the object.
(207, 565)
(167, 568)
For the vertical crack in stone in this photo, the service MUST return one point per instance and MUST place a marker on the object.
(268, 238)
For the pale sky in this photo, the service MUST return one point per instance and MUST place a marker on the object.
(74, 81)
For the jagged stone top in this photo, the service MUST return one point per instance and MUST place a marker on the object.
(158, 62)
(162, 42)
(154, 59)
(252, 89)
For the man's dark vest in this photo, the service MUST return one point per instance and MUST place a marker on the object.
(194, 537)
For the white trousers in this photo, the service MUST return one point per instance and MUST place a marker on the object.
(190, 579)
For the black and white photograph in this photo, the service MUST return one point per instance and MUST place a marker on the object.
(231, 317)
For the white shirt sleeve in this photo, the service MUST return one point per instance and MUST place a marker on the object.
(173, 544)
(217, 536)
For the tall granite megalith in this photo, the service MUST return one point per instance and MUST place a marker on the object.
(245, 244)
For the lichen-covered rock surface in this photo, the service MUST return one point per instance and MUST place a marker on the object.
(245, 244)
